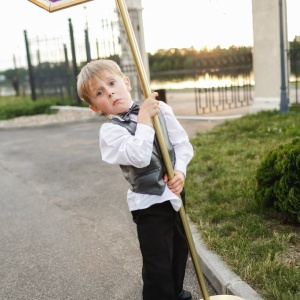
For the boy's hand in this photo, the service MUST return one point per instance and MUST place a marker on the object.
(149, 108)
(177, 183)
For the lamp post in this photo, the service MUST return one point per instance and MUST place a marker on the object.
(86, 38)
(284, 102)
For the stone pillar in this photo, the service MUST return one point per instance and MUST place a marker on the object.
(135, 13)
(127, 62)
(266, 54)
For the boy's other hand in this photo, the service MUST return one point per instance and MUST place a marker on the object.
(149, 108)
(176, 184)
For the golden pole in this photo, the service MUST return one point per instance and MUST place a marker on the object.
(147, 91)
(160, 138)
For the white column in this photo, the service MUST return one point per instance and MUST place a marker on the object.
(135, 13)
(266, 54)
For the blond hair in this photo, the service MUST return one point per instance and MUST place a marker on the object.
(90, 71)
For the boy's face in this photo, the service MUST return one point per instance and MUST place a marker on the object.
(110, 94)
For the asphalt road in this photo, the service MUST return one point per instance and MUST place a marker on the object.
(65, 228)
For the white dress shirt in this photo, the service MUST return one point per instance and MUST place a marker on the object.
(118, 146)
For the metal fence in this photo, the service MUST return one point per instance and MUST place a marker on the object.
(227, 83)
(221, 83)
(221, 98)
(294, 82)
(53, 64)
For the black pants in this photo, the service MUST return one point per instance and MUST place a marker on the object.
(164, 250)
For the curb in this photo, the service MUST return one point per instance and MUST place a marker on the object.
(223, 280)
(212, 118)
(197, 118)
(66, 107)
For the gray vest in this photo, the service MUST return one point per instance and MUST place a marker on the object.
(148, 180)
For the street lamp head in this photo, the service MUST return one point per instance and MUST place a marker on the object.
(55, 5)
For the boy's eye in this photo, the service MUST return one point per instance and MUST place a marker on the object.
(112, 83)
(99, 93)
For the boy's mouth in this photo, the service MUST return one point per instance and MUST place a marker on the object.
(116, 101)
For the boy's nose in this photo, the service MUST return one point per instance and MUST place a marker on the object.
(110, 94)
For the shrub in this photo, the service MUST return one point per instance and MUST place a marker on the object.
(278, 180)
(26, 108)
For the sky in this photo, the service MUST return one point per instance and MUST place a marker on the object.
(167, 24)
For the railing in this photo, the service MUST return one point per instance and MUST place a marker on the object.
(220, 98)
(226, 82)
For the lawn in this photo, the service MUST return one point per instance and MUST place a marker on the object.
(257, 244)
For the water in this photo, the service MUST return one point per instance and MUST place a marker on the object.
(206, 81)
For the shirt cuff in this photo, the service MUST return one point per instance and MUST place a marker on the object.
(144, 132)
(180, 166)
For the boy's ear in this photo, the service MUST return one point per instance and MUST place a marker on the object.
(127, 83)
(95, 109)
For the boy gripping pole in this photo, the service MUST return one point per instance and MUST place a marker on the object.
(128, 139)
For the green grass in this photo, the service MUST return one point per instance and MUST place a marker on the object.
(254, 243)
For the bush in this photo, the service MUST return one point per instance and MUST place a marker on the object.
(26, 108)
(278, 180)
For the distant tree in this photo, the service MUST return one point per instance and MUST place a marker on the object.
(295, 56)
(189, 59)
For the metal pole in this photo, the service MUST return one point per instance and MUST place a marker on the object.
(284, 103)
(97, 48)
(16, 79)
(146, 91)
(86, 38)
(30, 68)
(68, 77)
(87, 45)
(74, 63)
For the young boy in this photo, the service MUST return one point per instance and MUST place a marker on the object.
(128, 139)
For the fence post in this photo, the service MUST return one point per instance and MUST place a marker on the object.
(87, 45)
(30, 68)
(97, 48)
(16, 79)
(67, 72)
(74, 63)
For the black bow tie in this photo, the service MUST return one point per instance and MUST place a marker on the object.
(134, 109)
